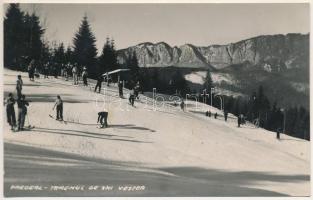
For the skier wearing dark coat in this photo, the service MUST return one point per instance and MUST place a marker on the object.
(99, 83)
(239, 120)
(22, 111)
(85, 75)
(10, 101)
(19, 86)
(225, 115)
(131, 98)
(120, 89)
(31, 70)
(182, 105)
(59, 105)
(103, 119)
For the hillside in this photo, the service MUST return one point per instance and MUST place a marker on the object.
(184, 152)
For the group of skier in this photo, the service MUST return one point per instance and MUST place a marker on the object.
(31, 70)
(102, 116)
(240, 118)
(65, 70)
(22, 104)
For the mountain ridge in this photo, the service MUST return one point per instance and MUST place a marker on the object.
(270, 52)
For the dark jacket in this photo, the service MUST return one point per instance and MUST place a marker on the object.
(22, 104)
(10, 103)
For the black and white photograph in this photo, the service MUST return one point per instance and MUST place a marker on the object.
(170, 99)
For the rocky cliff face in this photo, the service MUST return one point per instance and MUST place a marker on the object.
(271, 53)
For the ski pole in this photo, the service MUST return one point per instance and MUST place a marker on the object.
(28, 121)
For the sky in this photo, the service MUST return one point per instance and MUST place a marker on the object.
(175, 24)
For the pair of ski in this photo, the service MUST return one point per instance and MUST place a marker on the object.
(62, 121)
(27, 128)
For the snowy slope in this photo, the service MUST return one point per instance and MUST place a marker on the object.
(164, 137)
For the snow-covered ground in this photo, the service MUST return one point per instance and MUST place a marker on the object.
(157, 138)
(196, 77)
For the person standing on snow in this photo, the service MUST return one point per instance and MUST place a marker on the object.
(100, 79)
(19, 86)
(75, 72)
(182, 104)
(22, 112)
(59, 105)
(31, 69)
(68, 71)
(10, 101)
(225, 115)
(46, 70)
(239, 120)
(131, 98)
(136, 90)
(120, 89)
(215, 115)
(84, 75)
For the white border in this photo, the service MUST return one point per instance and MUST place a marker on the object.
(145, 1)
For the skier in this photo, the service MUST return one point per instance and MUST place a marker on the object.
(210, 113)
(215, 115)
(31, 69)
(10, 101)
(68, 71)
(136, 90)
(225, 115)
(278, 130)
(103, 119)
(36, 72)
(46, 70)
(22, 112)
(19, 86)
(59, 105)
(182, 105)
(207, 113)
(120, 89)
(75, 72)
(239, 120)
(84, 75)
(100, 79)
(242, 119)
(131, 98)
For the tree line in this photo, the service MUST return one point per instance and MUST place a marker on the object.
(23, 42)
(258, 109)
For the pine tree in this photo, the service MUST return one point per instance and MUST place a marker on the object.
(208, 82)
(108, 57)
(105, 57)
(69, 55)
(45, 54)
(35, 37)
(60, 58)
(22, 38)
(85, 51)
(114, 64)
(13, 37)
(132, 63)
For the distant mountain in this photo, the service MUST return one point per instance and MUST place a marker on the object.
(272, 53)
(280, 63)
